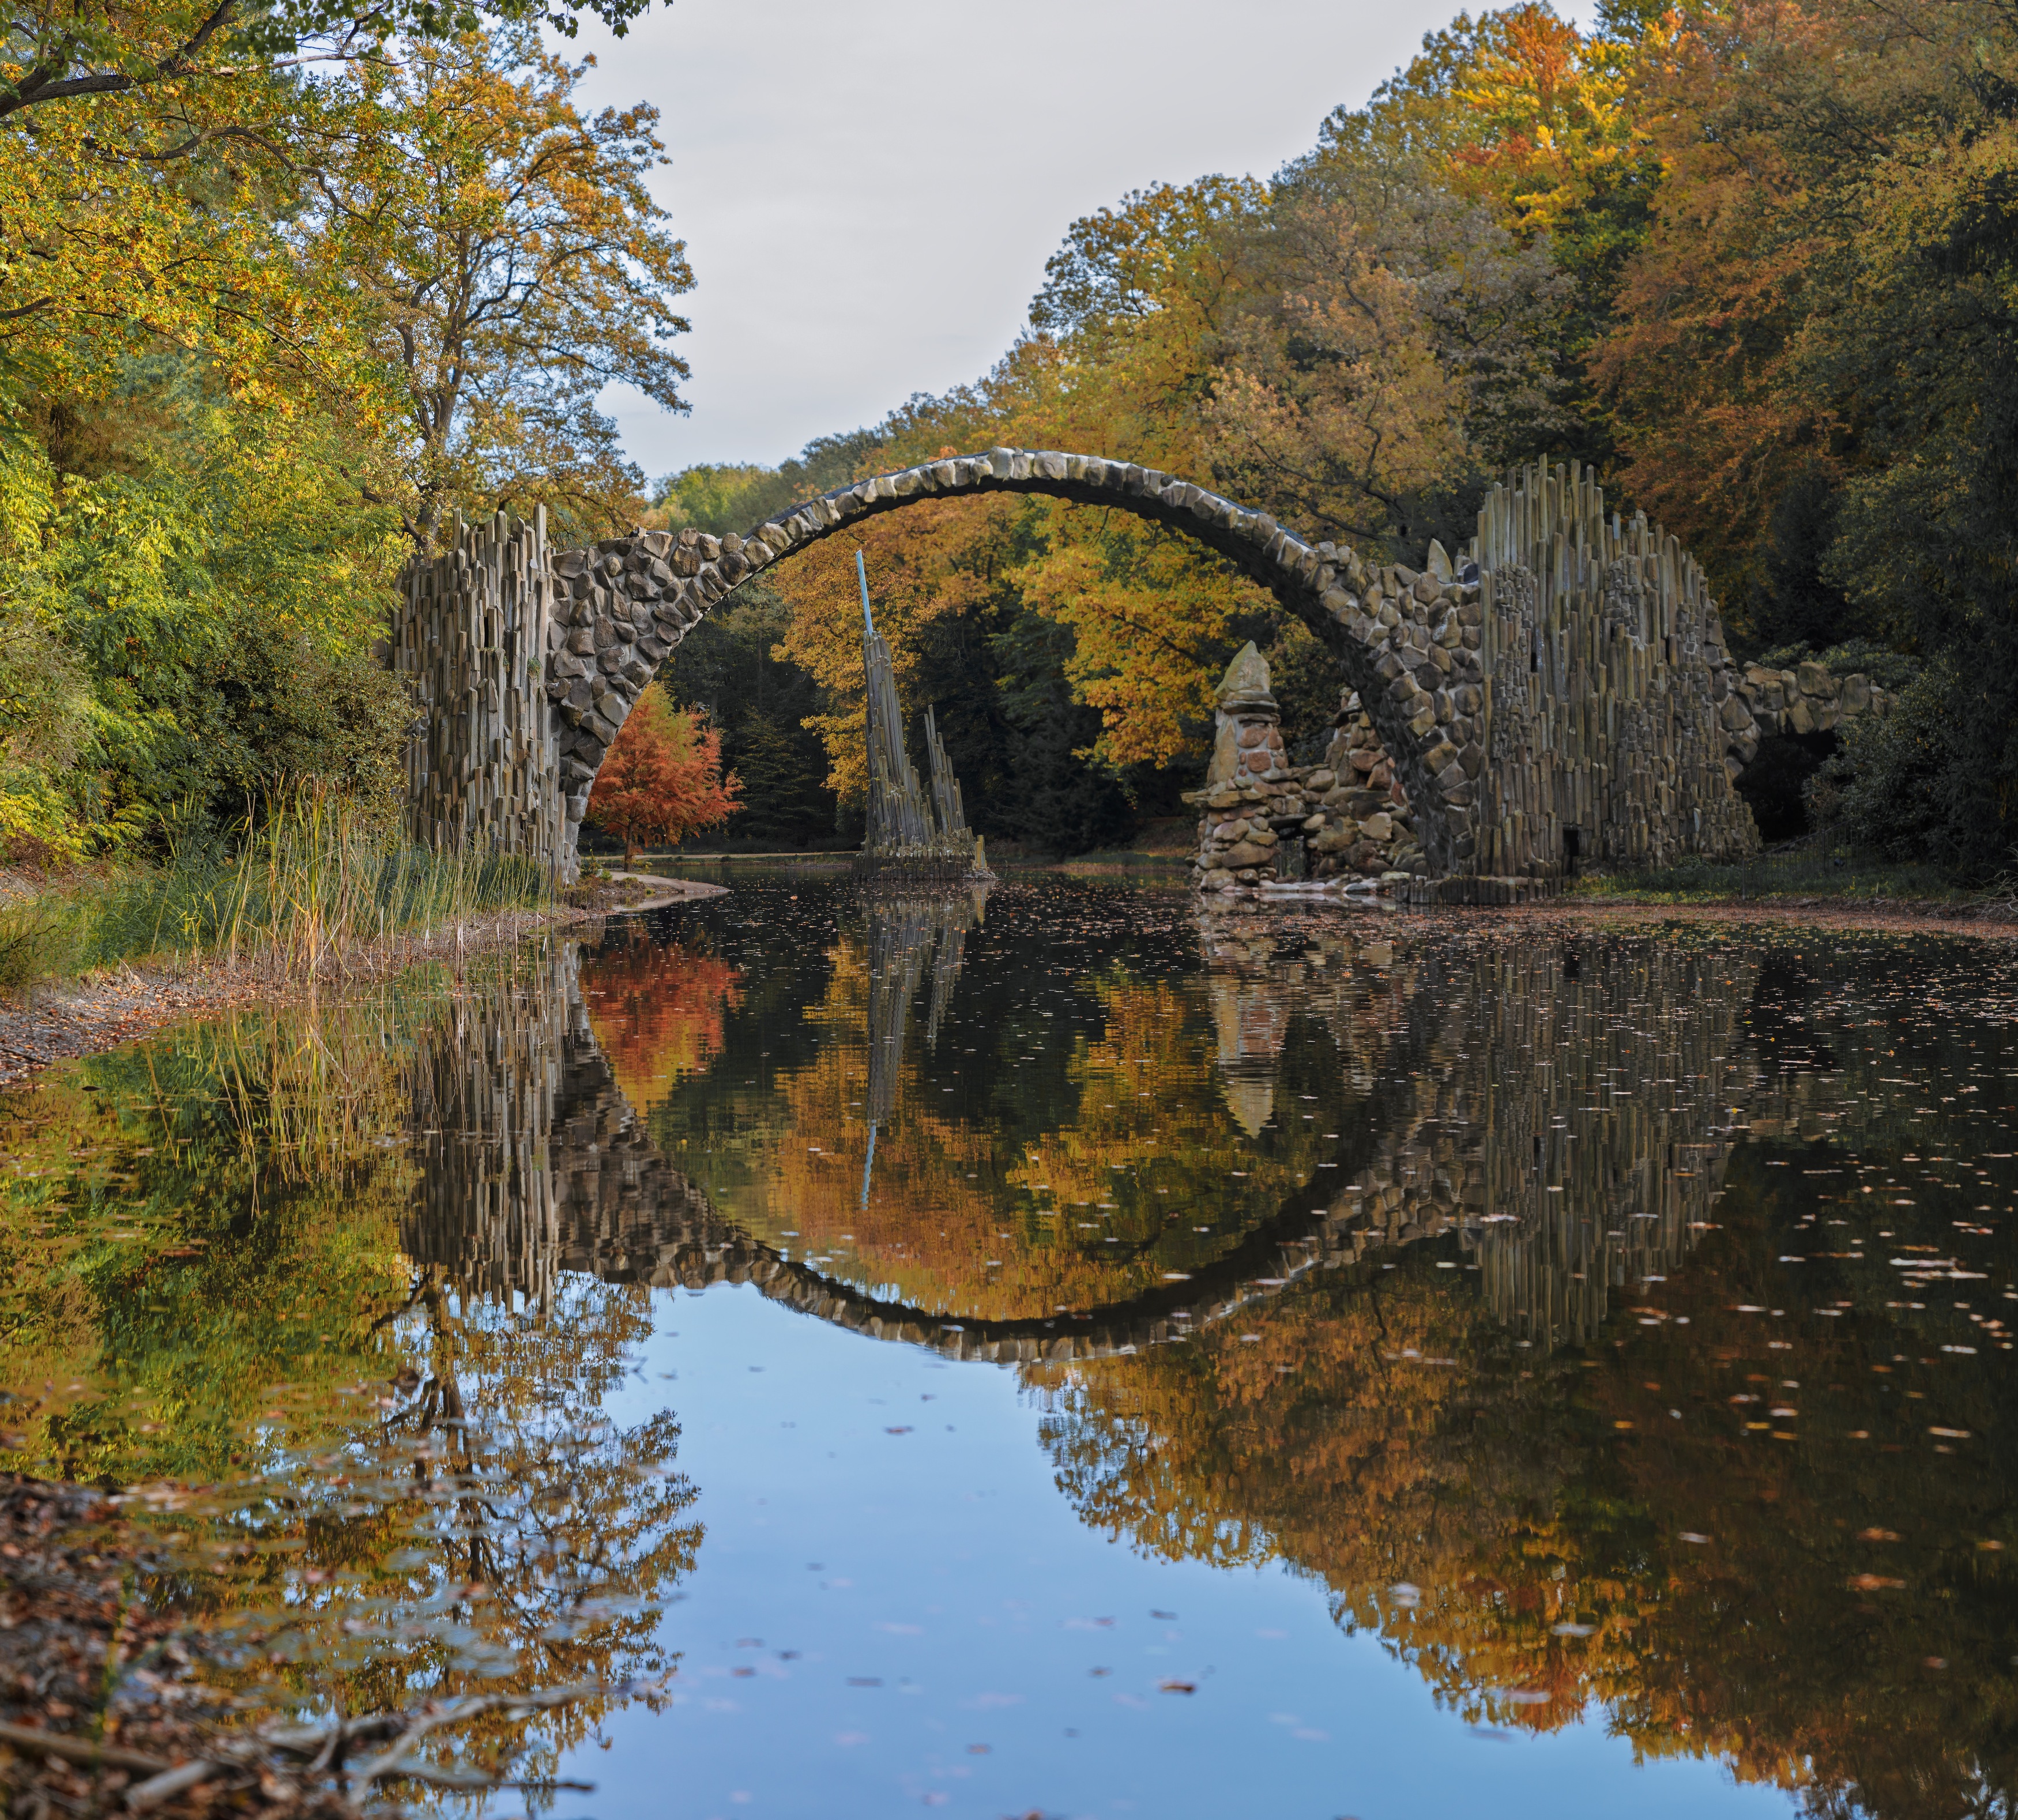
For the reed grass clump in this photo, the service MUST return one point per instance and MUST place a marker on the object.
(316, 879)
(41, 934)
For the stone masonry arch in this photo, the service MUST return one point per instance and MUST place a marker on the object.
(1560, 690)
(621, 608)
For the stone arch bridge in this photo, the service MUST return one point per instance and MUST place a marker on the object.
(1560, 688)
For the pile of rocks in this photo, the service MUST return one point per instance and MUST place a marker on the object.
(1266, 821)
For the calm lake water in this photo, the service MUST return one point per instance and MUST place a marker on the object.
(1069, 1353)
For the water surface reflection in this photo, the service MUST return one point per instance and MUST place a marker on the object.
(1610, 1320)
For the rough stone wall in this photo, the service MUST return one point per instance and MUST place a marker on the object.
(1574, 672)
(1755, 704)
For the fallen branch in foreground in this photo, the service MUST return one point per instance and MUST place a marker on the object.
(72, 1646)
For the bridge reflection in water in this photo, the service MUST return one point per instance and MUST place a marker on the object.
(1558, 1115)
(1483, 1346)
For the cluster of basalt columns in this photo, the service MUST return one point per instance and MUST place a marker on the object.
(1564, 677)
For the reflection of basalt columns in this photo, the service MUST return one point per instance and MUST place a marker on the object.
(1572, 1119)
(485, 1081)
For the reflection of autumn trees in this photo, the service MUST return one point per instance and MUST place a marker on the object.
(1514, 1524)
(659, 1010)
(198, 1227)
(974, 1210)
(1343, 1436)
(422, 1492)
(1090, 1147)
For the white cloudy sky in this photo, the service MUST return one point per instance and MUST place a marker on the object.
(869, 190)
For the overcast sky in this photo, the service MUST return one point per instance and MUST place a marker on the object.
(869, 190)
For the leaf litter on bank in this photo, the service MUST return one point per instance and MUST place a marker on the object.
(104, 1709)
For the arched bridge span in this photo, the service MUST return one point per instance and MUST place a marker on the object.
(1559, 688)
(623, 607)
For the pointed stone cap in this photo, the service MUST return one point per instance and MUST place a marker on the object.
(1439, 560)
(1245, 686)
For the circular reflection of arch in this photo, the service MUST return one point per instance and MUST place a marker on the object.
(533, 1161)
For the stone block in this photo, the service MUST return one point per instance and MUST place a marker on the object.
(1855, 694)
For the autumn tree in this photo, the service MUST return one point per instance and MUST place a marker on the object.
(505, 262)
(663, 779)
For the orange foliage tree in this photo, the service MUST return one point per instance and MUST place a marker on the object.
(663, 779)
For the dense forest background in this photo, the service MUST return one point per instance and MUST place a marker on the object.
(281, 292)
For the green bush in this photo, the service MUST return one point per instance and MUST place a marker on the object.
(1913, 784)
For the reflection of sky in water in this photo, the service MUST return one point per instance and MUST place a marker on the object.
(1452, 1322)
(950, 1570)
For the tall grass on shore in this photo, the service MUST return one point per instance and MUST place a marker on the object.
(315, 881)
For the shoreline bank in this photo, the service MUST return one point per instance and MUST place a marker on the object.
(63, 1019)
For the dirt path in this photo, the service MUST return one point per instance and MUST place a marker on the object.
(55, 1022)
